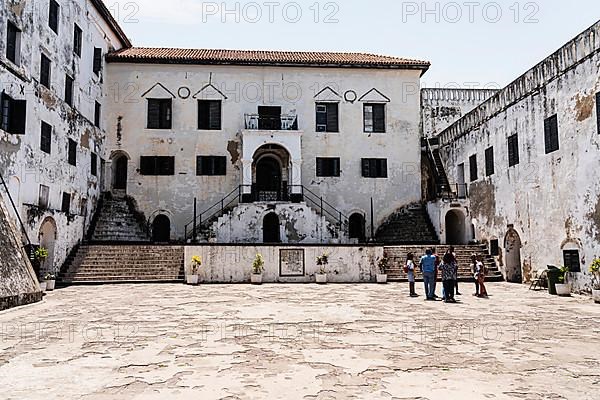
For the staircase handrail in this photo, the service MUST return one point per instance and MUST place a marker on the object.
(321, 204)
(222, 204)
(437, 174)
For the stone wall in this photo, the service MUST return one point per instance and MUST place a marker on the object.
(232, 264)
(18, 283)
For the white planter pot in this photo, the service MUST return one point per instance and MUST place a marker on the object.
(381, 278)
(192, 279)
(50, 285)
(321, 278)
(596, 296)
(256, 279)
(563, 289)
(43, 286)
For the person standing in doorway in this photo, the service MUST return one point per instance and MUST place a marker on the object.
(410, 272)
(428, 268)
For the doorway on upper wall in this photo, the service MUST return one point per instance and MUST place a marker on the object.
(455, 228)
(120, 173)
(356, 227)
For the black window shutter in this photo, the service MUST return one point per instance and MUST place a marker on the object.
(473, 167)
(379, 118)
(384, 171)
(11, 43)
(598, 111)
(321, 117)
(203, 115)
(551, 134)
(489, 161)
(5, 101)
(97, 60)
(147, 165)
(332, 118)
(222, 166)
(153, 114)
(18, 117)
(68, 90)
(165, 118)
(320, 162)
(366, 168)
(215, 115)
(46, 138)
(53, 15)
(66, 203)
(336, 167)
(513, 150)
(97, 114)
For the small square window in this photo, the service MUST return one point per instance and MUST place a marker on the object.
(159, 113)
(13, 115)
(328, 167)
(209, 115)
(46, 138)
(157, 165)
(211, 166)
(327, 117)
(374, 118)
(572, 261)
(374, 168)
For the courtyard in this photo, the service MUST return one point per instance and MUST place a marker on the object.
(299, 342)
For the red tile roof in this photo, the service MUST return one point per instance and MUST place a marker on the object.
(248, 57)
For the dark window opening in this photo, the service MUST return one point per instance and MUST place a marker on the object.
(43, 196)
(473, 167)
(374, 168)
(598, 111)
(13, 115)
(209, 115)
(72, 152)
(157, 165)
(97, 114)
(66, 203)
(69, 90)
(94, 164)
(53, 15)
(571, 258)
(494, 247)
(551, 134)
(489, 161)
(211, 166)
(97, 60)
(45, 71)
(328, 167)
(77, 40)
(374, 118)
(46, 138)
(328, 117)
(513, 150)
(159, 113)
(13, 43)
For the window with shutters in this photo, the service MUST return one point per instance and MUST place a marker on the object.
(94, 164)
(157, 165)
(374, 118)
(72, 152)
(513, 150)
(53, 15)
(328, 167)
(598, 111)
(209, 115)
(66, 203)
(211, 166)
(13, 43)
(97, 60)
(489, 161)
(13, 115)
(97, 114)
(374, 168)
(46, 138)
(43, 196)
(551, 134)
(572, 261)
(473, 167)
(328, 117)
(45, 71)
(159, 113)
(77, 40)
(69, 90)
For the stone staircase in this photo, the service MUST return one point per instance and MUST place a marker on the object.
(397, 255)
(407, 226)
(118, 221)
(95, 263)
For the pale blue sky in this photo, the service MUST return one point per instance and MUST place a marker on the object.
(467, 42)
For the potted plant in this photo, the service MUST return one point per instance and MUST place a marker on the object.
(595, 270)
(192, 278)
(50, 280)
(562, 287)
(383, 265)
(322, 262)
(40, 255)
(258, 267)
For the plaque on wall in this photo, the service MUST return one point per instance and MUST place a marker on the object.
(291, 262)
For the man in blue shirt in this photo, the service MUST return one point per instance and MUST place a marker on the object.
(428, 267)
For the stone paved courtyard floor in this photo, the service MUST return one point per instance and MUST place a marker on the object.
(298, 342)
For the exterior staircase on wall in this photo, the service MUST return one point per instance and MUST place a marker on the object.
(409, 225)
(118, 221)
(397, 256)
(94, 263)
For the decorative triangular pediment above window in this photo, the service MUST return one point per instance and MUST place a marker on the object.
(374, 96)
(209, 92)
(327, 94)
(158, 91)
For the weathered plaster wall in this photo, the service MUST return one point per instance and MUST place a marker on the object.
(298, 223)
(440, 108)
(246, 88)
(233, 264)
(18, 283)
(22, 163)
(552, 200)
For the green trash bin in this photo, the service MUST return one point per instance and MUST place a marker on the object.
(553, 274)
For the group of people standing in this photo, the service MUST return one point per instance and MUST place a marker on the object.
(430, 264)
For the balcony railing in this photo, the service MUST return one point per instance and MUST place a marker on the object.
(284, 122)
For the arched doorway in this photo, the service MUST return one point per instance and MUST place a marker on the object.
(47, 240)
(161, 229)
(356, 227)
(120, 173)
(455, 227)
(512, 246)
(271, 168)
(271, 233)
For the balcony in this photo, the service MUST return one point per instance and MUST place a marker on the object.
(262, 122)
